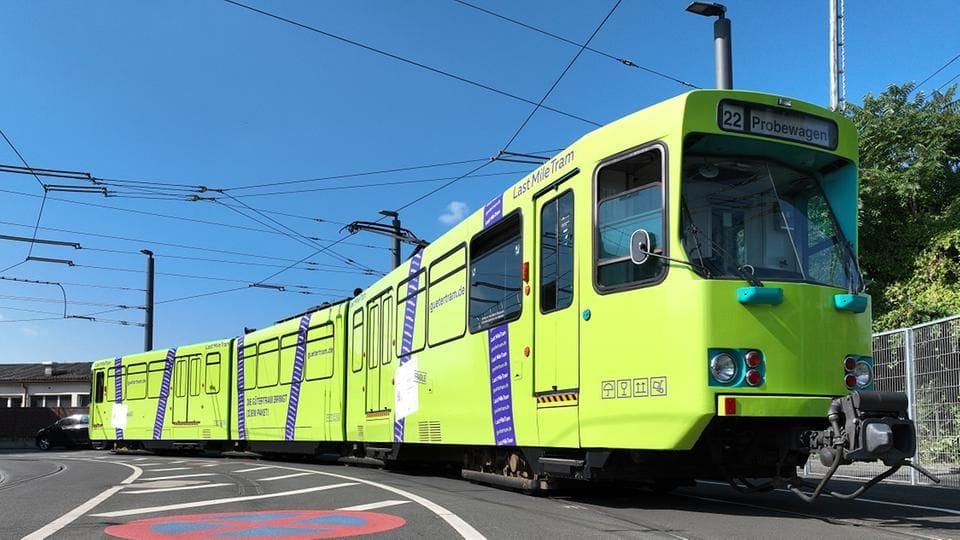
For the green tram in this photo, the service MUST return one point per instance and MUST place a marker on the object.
(674, 296)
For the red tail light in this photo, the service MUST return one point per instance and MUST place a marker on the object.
(753, 358)
(849, 363)
(754, 378)
(850, 380)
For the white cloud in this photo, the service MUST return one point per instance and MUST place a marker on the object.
(456, 211)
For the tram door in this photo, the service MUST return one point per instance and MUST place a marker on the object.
(556, 318)
(374, 347)
(98, 418)
(187, 386)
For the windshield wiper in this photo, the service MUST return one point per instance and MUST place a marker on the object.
(749, 277)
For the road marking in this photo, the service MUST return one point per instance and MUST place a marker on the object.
(177, 461)
(177, 476)
(256, 469)
(68, 518)
(167, 484)
(171, 469)
(141, 459)
(843, 521)
(372, 506)
(284, 477)
(462, 527)
(151, 464)
(181, 488)
(212, 502)
(861, 499)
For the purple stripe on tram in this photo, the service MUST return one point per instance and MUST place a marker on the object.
(241, 407)
(409, 318)
(498, 345)
(501, 397)
(118, 389)
(164, 394)
(294, 400)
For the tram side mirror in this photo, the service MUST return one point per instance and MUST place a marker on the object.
(640, 246)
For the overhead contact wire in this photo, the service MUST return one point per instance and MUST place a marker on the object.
(405, 60)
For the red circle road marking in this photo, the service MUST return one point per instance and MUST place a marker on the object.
(273, 524)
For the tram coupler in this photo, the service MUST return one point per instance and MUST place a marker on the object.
(864, 427)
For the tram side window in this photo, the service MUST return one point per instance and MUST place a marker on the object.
(556, 253)
(411, 295)
(320, 353)
(387, 310)
(629, 197)
(112, 375)
(180, 376)
(136, 382)
(496, 280)
(446, 309)
(155, 378)
(196, 381)
(373, 337)
(213, 373)
(357, 341)
(250, 366)
(268, 363)
(98, 389)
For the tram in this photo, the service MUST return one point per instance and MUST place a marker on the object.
(674, 296)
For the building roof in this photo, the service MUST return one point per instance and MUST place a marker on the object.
(33, 373)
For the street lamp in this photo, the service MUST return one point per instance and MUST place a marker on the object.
(148, 316)
(722, 40)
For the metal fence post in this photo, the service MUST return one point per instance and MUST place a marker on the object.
(910, 374)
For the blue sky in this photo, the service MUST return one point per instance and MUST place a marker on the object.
(205, 93)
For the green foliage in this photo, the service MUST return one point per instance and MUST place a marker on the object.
(938, 427)
(909, 214)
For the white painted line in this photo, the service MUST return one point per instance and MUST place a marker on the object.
(177, 476)
(256, 469)
(151, 464)
(171, 469)
(372, 506)
(177, 461)
(284, 477)
(861, 499)
(68, 518)
(465, 529)
(917, 506)
(196, 504)
(181, 488)
(795, 513)
(141, 459)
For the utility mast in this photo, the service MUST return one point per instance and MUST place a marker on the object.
(838, 82)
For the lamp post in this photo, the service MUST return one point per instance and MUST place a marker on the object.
(148, 316)
(722, 40)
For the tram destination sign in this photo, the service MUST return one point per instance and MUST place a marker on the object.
(777, 123)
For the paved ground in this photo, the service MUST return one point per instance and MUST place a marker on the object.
(100, 495)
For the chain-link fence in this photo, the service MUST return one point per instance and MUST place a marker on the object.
(924, 362)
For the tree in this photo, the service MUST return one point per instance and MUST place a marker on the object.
(909, 208)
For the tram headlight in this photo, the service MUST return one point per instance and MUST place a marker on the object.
(723, 367)
(863, 373)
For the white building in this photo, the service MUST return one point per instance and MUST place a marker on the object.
(45, 385)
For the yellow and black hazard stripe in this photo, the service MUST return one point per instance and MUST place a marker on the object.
(558, 398)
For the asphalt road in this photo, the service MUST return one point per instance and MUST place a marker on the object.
(93, 494)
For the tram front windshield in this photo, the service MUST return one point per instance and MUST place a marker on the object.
(757, 217)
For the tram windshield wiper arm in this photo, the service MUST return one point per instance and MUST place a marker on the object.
(695, 231)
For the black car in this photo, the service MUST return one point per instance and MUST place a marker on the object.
(70, 431)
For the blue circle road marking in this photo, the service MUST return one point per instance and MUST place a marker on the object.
(272, 524)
